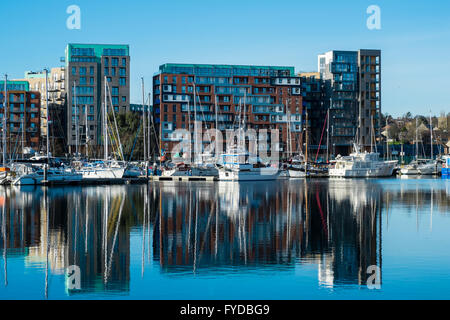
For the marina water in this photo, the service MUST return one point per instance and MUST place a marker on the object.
(289, 239)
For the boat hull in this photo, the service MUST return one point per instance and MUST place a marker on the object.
(384, 170)
(262, 174)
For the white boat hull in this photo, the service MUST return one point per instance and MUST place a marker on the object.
(384, 169)
(102, 173)
(260, 174)
(297, 174)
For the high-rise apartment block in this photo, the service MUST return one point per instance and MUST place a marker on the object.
(353, 91)
(87, 67)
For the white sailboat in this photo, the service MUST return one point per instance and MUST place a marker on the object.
(239, 165)
(412, 169)
(432, 166)
(106, 169)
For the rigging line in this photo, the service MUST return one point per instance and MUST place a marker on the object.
(115, 238)
(115, 123)
(321, 137)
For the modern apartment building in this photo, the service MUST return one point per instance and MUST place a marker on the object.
(87, 67)
(23, 118)
(352, 86)
(56, 103)
(270, 94)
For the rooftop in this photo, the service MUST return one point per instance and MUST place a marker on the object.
(225, 70)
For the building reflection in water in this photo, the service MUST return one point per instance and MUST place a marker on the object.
(205, 228)
(335, 224)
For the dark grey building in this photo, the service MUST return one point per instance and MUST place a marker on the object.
(353, 88)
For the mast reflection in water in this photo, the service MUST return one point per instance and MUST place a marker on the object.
(262, 226)
(121, 236)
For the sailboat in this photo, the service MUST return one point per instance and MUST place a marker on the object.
(106, 169)
(45, 169)
(298, 163)
(432, 166)
(205, 165)
(239, 165)
(362, 164)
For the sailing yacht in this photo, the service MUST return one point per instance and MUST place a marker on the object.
(32, 175)
(297, 168)
(106, 169)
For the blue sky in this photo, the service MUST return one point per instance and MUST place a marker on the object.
(414, 38)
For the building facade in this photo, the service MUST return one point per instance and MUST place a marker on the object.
(22, 118)
(270, 95)
(56, 110)
(87, 67)
(353, 95)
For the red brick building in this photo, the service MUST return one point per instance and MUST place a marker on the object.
(271, 95)
(23, 120)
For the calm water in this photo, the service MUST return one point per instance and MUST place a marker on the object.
(268, 240)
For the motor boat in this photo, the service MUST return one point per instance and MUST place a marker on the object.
(361, 165)
(237, 167)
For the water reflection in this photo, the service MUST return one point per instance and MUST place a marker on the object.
(206, 229)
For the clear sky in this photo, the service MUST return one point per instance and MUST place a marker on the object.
(414, 38)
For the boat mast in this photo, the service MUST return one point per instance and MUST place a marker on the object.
(328, 135)
(105, 124)
(76, 120)
(196, 151)
(143, 120)
(5, 110)
(217, 131)
(149, 156)
(48, 125)
(431, 136)
(87, 133)
(417, 138)
(307, 137)
(289, 147)
(387, 140)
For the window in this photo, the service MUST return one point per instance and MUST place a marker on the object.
(82, 71)
(74, 70)
(106, 72)
(115, 91)
(124, 99)
(174, 79)
(183, 79)
(109, 79)
(113, 72)
(106, 62)
(114, 62)
(91, 71)
(166, 79)
(91, 80)
(124, 62)
(174, 108)
(165, 108)
(82, 80)
(91, 110)
(123, 72)
(123, 81)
